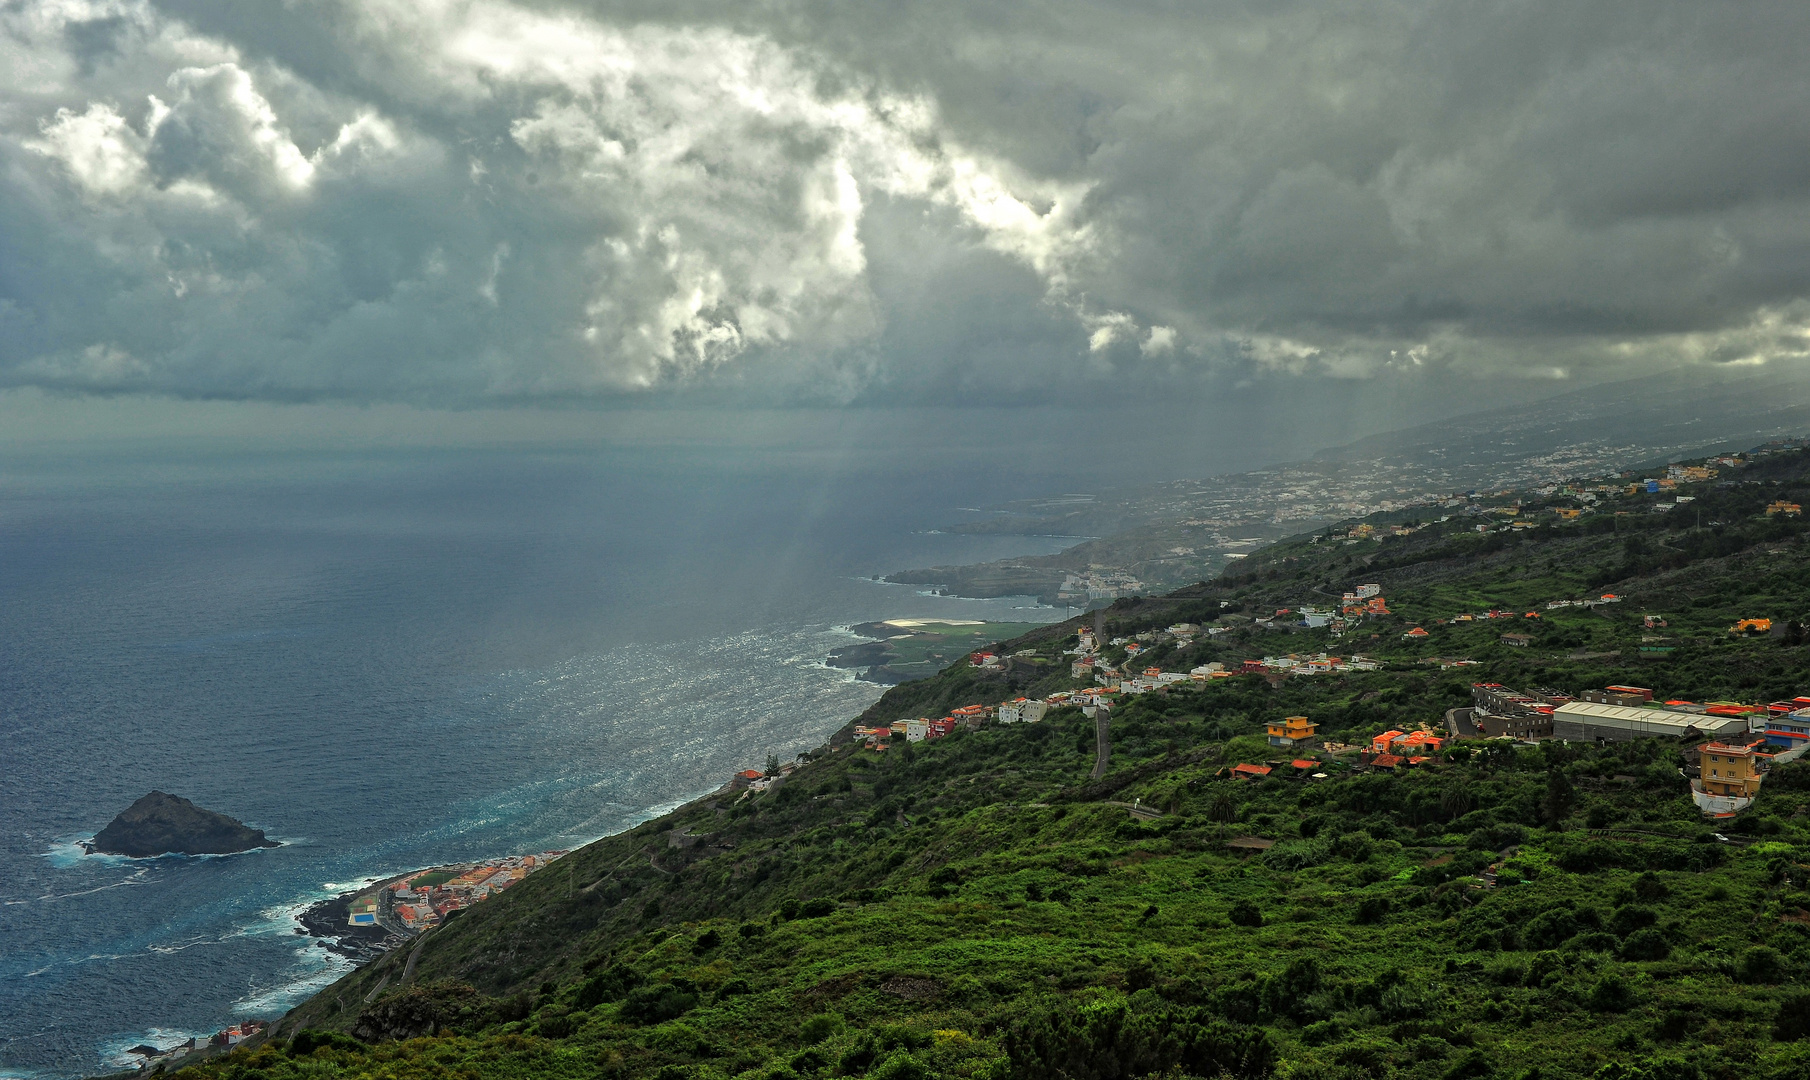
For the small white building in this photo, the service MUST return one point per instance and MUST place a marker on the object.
(1022, 710)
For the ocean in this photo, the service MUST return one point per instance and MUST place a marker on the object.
(395, 659)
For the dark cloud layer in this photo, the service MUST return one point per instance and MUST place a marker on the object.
(486, 202)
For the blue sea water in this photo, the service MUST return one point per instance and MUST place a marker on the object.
(395, 660)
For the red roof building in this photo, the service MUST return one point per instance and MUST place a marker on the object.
(1252, 771)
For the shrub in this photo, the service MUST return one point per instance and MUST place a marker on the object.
(1474, 1063)
(422, 1009)
(308, 1040)
(1611, 994)
(1793, 1020)
(1760, 964)
(1295, 855)
(1357, 846)
(1107, 1039)
(1659, 1068)
(706, 941)
(900, 1065)
(660, 1002)
(1593, 941)
(1673, 1026)
(679, 1039)
(1245, 913)
(607, 986)
(819, 1027)
(816, 909)
(1646, 944)
(1629, 918)
(732, 988)
(1372, 909)
(1550, 928)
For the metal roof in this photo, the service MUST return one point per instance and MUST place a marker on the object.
(1656, 721)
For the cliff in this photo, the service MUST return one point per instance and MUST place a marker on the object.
(161, 823)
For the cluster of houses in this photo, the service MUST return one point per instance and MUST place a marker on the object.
(1099, 585)
(1389, 752)
(1366, 601)
(1740, 741)
(1743, 739)
(1366, 531)
(224, 1039)
(419, 901)
(1606, 598)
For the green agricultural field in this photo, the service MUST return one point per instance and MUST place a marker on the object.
(926, 647)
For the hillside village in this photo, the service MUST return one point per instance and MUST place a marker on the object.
(1103, 672)
(1739, 740)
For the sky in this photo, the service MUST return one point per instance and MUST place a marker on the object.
(476, 206)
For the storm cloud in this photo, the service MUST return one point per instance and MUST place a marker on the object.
(483, 202)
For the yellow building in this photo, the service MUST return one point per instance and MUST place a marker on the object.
(1788, 509)
(1291, 731)
(1733, 771)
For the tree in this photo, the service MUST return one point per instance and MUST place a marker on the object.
(1560, 796)
(772, 764)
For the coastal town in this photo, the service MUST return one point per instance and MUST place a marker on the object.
(418, 901)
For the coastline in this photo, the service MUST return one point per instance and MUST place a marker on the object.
(329, 923)
(327, 920)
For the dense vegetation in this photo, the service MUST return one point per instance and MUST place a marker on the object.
(978, 907)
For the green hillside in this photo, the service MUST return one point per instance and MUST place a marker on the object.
(978, 907)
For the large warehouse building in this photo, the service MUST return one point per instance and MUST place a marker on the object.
(1586, 721)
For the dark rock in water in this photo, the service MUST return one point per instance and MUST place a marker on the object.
(159, 824)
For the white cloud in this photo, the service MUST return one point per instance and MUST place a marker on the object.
(1159, 342)
(457, 200)
(632, 206)
(101, 151)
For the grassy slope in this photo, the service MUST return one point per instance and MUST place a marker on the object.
(983, 911)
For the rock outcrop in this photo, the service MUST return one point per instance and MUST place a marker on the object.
(159, 824)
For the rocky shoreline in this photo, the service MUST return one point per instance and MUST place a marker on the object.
(871, 655)
(329, 923)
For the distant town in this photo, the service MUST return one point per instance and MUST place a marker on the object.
(1169, 535)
